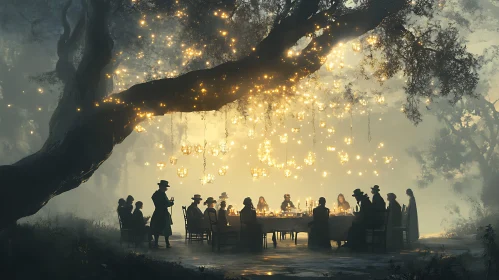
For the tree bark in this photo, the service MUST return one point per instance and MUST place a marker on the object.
(82, 135)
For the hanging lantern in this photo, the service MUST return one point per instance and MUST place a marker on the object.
(139, 128)
(284, 138)
(263, 172)
(330, 148)
(287, 173)
(182, 172)
(324, 174)
(322, 124)
(348, 140)
(310, 159)
(356, 47)
(279, 166)
(291, 163)
(330, 130)
(301, 116)
(160, 165)
(224, 148)
(251, 133)
(295, 130)
(336, 84)
(186, 150)
(198, 149)
(173, 160)
(207, 179)
(372, 40)
(343, 157)
(254, 172)
(388, 159)
(222, 170)
(321, 107)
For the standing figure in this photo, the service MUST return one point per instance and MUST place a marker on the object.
(126, 217)
(223, 197)
(319, 231)
(287, 204)
(379, 207)
(412, 217)
(343, 205)
(356, 239)
(195, 217)
(121, 211)
(394, 236)
(251, 233)
(262, 205)
(161, 221)
(222, 216)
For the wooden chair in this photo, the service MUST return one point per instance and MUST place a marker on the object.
(264, 234)
(221, 235)
(378, 233)
(192, 236)
(405, 232)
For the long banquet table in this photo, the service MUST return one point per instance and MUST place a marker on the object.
(338, 225)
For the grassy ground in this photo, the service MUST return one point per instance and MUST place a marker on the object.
(67, 247)
(72, 248)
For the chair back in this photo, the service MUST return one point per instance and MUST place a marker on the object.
(184, 212)
(386, 219)
(212, 217)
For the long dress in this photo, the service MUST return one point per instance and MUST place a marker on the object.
(357, 233)
(379, 207)
(161, 221)
(394, 237)
(251, 234)
(412, 219)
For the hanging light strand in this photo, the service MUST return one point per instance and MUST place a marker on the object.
(313, 124)
(369, 138)
(203, 116)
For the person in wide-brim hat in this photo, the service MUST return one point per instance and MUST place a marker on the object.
(375, 188)
(223, 196)
(197, 197)
(209, 201)
(163, 183)
(357, 193)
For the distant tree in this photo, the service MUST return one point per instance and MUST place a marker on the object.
(87, 122)
(465, 150)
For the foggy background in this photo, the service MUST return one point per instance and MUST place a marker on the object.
(133, 167)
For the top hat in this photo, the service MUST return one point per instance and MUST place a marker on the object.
(223, 196)
(287, 195)
(210, 200)
(357, 193)
(197, 197)
(375, 188)
(163, 183)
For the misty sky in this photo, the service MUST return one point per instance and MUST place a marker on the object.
(137, 158)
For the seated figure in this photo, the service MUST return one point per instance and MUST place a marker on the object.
(222, 216)
(319, 227)
(139, 227)
(356, 239)
(251, 230)
(195, 218)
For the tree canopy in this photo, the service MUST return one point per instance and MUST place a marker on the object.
(251, 49)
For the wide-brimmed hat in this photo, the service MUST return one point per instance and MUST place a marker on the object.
(287, 195)
(375, 188)
(223, 196)
(357, 193)
(163, 183)
(210, 200)
(197, 197)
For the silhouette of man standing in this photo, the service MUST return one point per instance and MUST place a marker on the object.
(161, 221)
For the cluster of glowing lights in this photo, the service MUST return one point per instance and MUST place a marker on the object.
(182, 172)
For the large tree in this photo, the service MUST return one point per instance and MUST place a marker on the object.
(87, 123)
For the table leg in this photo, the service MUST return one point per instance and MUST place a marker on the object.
(274, 239)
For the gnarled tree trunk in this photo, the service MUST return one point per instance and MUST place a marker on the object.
(84, 128)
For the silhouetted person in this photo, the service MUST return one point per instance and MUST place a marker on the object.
(262, 205)
(222, 215)
(126, 217)
(379, 207)
(223, 197)
(121, 211)
(357, 233)
(287, 203)
(412, 217)
(195, 217)
(394, 236)
(251, 233)
(140, 229)
(210, 207)
(161, 221)
(319, 231)
(343, 205)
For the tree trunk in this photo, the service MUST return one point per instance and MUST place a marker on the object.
(82, 135)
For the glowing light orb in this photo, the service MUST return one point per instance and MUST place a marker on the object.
(173, 160)
(182, 172)
(186, 149)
